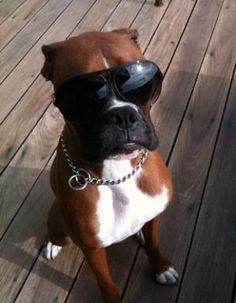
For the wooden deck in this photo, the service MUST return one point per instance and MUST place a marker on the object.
(194, 43)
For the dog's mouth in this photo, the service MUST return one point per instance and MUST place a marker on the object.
(127, 152)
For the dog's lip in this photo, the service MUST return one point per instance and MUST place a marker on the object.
(130, 145)
(123, 156)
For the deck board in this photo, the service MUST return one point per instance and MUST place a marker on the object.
(194, 43)
(18, 20)
(8, 7)
(29, 35)
(29, 69)
(182, 74)
(217, 220)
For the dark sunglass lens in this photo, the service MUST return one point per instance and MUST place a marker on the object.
(94, 88)
(139, 82)
(79, 92)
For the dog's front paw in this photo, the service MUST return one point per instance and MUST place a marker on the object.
(51, 251)
(168, 277)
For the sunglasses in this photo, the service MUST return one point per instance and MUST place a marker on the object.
(138, 82)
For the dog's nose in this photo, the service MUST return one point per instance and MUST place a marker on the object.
(124, 118)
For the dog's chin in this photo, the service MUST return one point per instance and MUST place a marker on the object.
(127, 152)
(130, 156)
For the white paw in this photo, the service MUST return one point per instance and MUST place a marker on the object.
(168, 277)
(51, 251)
(140, 237)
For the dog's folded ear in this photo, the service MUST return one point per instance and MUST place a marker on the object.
(131, 33)
(49, 52)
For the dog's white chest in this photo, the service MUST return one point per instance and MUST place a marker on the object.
(123, 209)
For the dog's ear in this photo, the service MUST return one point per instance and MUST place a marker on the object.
(49, 52)
(132, 34)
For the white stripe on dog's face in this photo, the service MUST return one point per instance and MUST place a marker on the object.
(105, 61)
(114, 103)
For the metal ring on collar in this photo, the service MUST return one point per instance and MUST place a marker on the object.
(80, 180)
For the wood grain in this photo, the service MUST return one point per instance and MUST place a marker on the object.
(50, 281)
(8, 7)
(164, 42)
(213, 253)
(123, 15)
(182, 74)
(24, 169)
(18, 47)
(148, 20)
(98, 20)
(14, 23)
(39, 93)
(22, 119)
(24, 239)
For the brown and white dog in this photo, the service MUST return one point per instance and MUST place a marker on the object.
(107, 188)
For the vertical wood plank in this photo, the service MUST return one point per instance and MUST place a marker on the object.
(24, 239)
(148, 20)
(211, 266)
(94, 21)
(164, 42)
(182, 74)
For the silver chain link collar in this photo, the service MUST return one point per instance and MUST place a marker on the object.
(82, 178)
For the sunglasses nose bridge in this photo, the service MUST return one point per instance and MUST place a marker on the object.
(111, 86)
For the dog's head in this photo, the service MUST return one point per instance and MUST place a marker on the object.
(104, 88)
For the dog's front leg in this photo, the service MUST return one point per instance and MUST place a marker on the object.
(165, 273)
(98, 262)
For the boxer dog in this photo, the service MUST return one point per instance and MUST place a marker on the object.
(108, 179)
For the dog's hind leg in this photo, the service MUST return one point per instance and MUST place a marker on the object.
(57, 233)
(165, 273)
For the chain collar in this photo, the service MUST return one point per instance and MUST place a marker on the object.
(81, 178)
